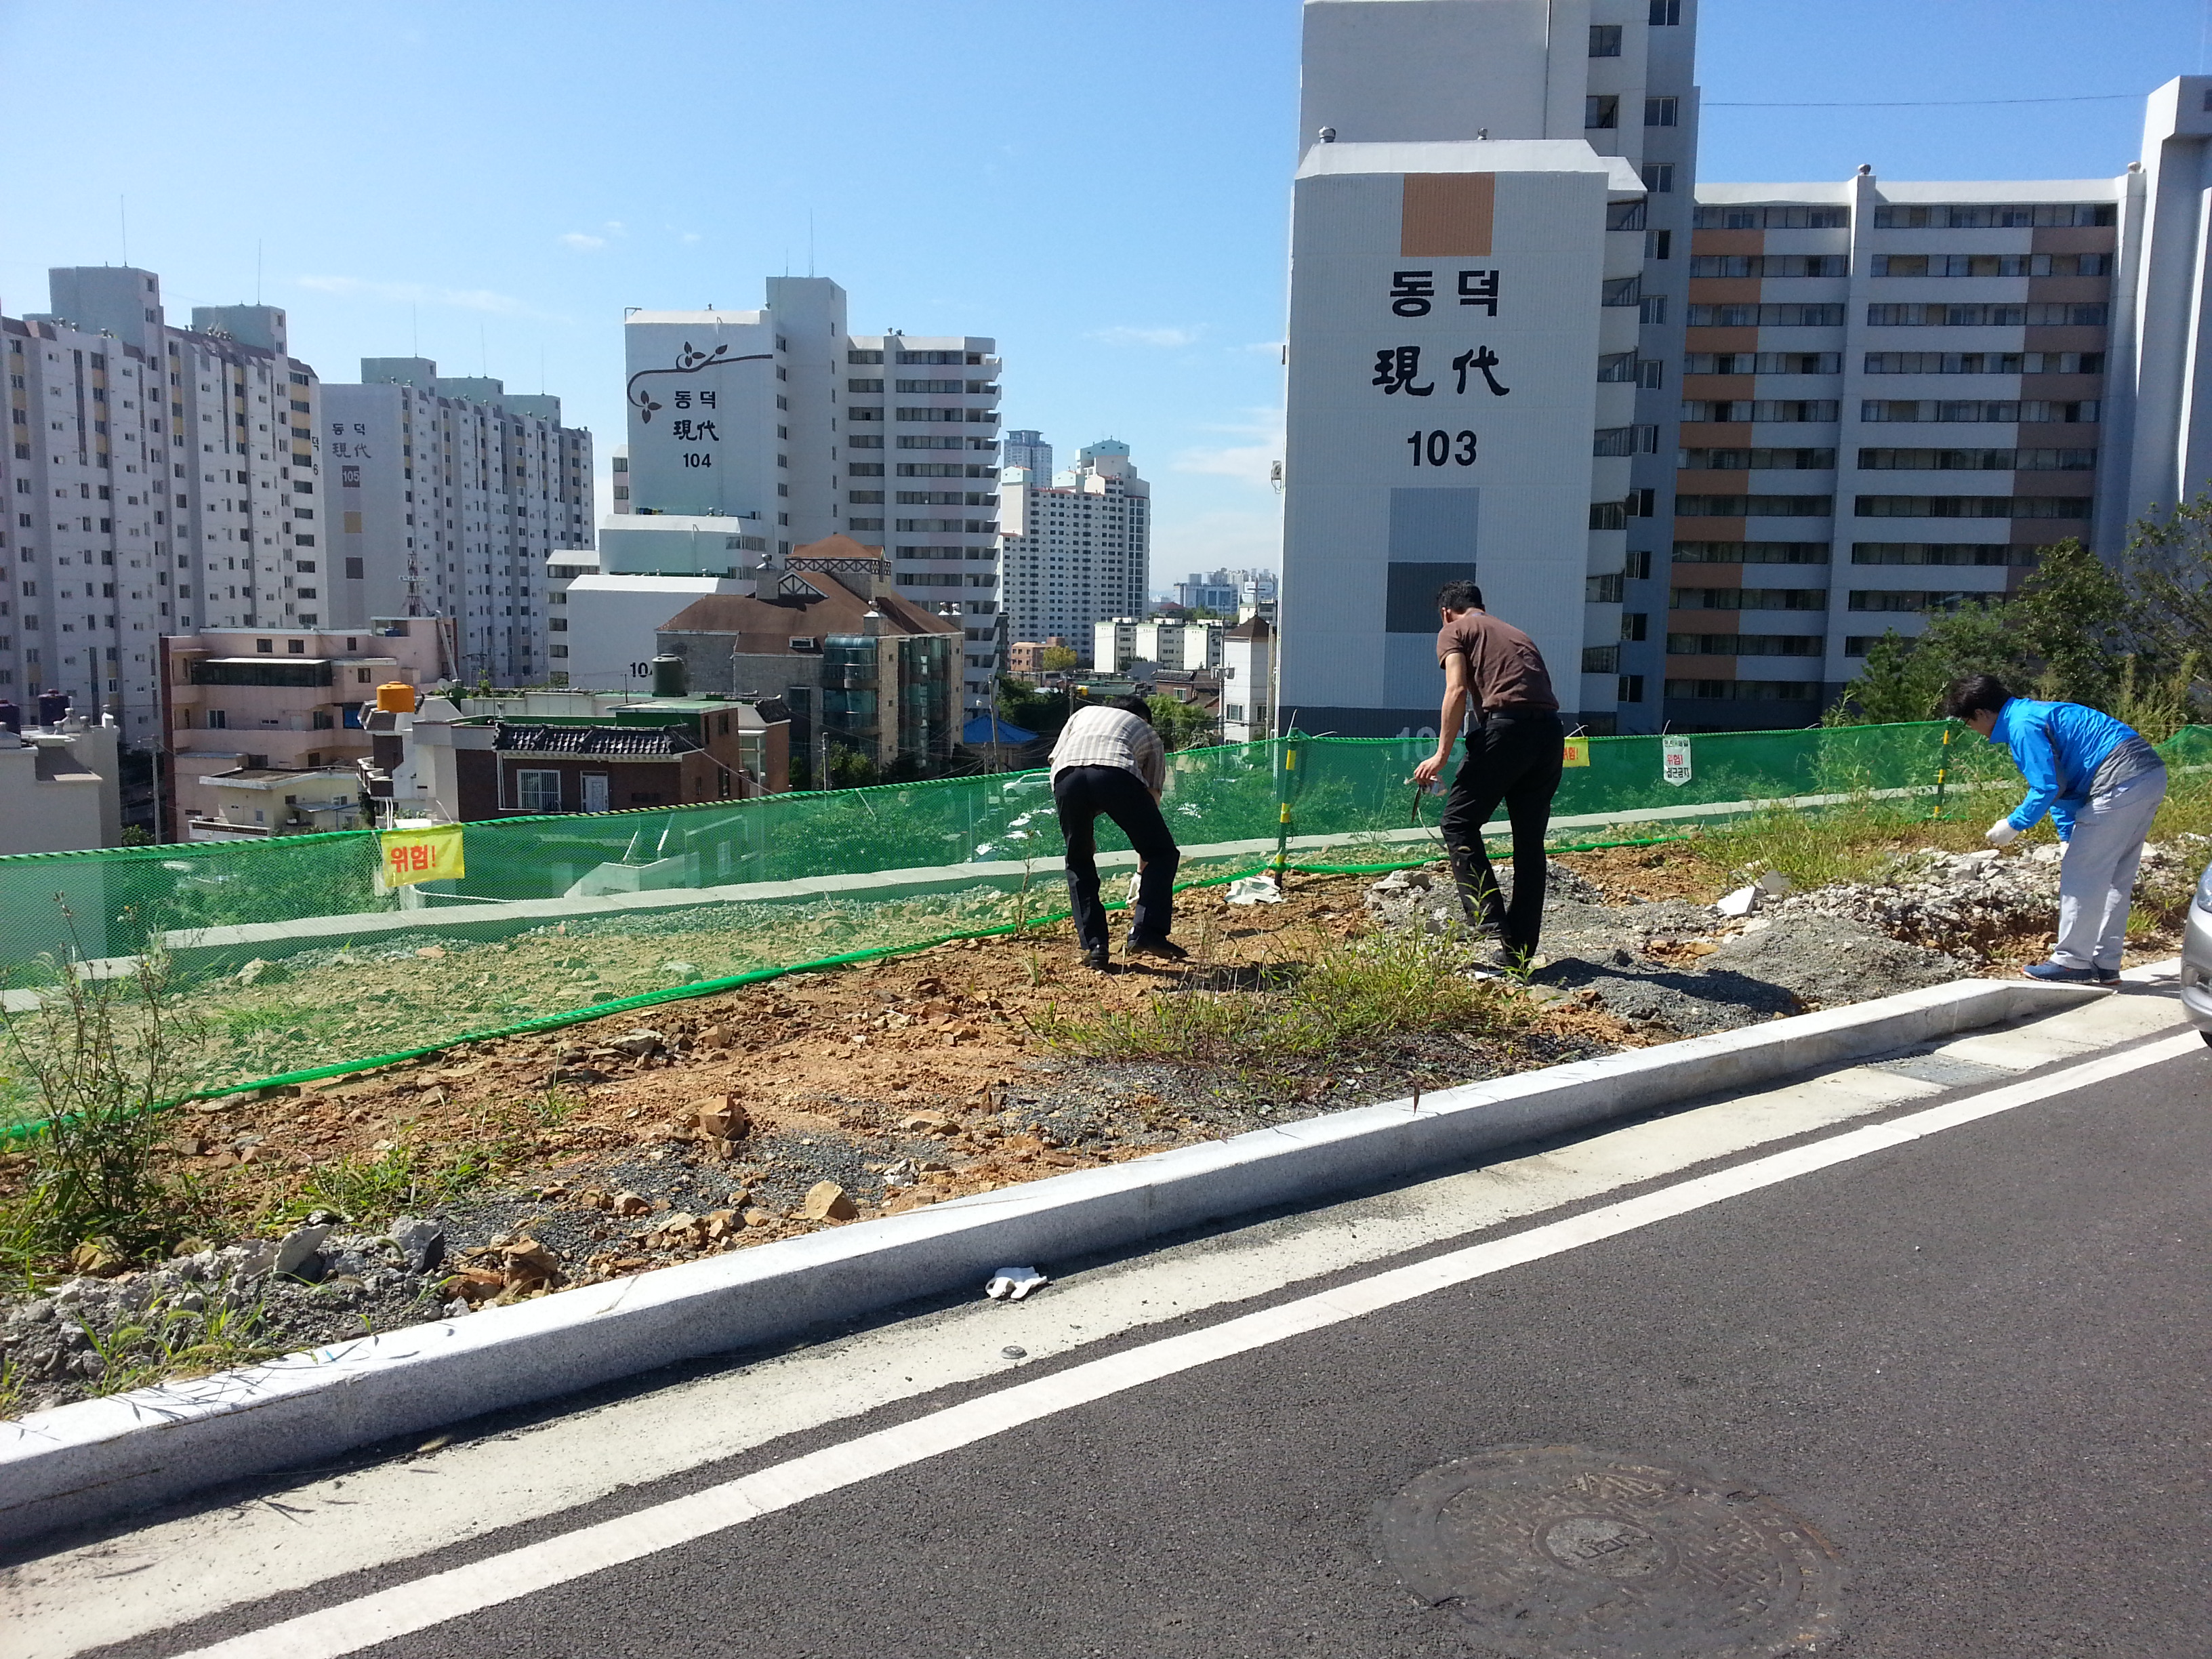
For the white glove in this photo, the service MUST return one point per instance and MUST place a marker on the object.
(2001, 834)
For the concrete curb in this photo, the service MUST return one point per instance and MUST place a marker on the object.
(97, 1458)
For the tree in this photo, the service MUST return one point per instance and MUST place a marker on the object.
(1059, 658)
(1181, 725)
(2079, 630)
(1022, 704)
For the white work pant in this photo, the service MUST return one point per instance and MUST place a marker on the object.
(2097, 882)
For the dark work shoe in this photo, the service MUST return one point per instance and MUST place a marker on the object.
(1099, 960)
(2052, 973)
(1166, 949)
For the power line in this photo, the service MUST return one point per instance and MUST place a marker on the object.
(1939, 103)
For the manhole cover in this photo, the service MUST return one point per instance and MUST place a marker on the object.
(1549, 1550)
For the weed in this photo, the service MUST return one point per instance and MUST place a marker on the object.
(1352, 995)
(101, 1056)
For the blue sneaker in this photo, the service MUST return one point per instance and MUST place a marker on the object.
(2052, 973)
(2108, 977)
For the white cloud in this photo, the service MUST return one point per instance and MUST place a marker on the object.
(583, 243)
(1126, 335)
(457, 298)
(1218, 540)
(1252, 462)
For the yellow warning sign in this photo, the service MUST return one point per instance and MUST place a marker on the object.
(413, 855)
(1577, 751)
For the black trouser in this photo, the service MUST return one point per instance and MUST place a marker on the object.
(1081, 794)
(1514, 758)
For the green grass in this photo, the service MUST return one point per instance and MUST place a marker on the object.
(1355, 995)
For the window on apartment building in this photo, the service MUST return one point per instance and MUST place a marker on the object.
(1652, 308)
(1755, 460)
(1619, 215)
(1985, 216)
(1769, 266)
(1945, 553)
(1746, 690)
(1739, 409)
(1658, 244)
(1743, 645)
(1763, 362)
(2004, 411)
(1754, 507)
(1971, 506)
(1988, 315)
(1662, 111)
(1659, 177)
(1605, 40)
(1601, 111)
(1979, 460)
(1985, 362)
(1715, 216)
(1992, 264)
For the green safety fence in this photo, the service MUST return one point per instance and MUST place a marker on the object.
(294, 959)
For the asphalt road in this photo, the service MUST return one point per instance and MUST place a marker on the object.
(1974, 1367)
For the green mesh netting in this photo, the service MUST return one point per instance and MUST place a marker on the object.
(560, 918)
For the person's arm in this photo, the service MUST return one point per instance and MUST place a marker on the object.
(1153, 762)
(1449, 721)
(2032, 752)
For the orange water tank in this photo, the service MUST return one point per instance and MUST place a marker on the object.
(395, 698)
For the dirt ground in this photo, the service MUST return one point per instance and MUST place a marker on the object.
(632, 1141)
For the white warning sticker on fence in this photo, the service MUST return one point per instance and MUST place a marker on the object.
(1674, 759)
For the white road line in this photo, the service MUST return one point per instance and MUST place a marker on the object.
(350, 1626)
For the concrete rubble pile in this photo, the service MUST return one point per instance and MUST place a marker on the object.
(1971, 904)
(313, 1287)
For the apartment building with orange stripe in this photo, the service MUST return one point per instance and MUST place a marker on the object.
(1895, 396)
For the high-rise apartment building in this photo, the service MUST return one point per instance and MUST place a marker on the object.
(1077, 551)
(1489, 225)
(1028, 450)
(448, 494)
(783, 420)
(157, 480)
(1896, 395)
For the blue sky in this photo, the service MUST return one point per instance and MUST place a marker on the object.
(1103, 188)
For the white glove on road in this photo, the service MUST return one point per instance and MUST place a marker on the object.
(2001, 834)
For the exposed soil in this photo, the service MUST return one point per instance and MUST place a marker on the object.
(626, 1143)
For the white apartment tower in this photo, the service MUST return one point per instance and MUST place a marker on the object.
(1029, 450)
(1078, 550)
(784, 421)
(1488, 226)
(448, 495)
(158, 480)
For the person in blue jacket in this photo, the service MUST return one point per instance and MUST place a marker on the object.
(2102, 784)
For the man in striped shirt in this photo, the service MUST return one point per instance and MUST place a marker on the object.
(1109, 760)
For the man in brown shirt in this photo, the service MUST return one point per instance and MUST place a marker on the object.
(1514, 756)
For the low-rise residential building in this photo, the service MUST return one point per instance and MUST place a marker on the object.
(475, 759)
(266, 725)
(859, 665)
(60, 786)
(1116, 644)
(1247, 682)
(1026, 657)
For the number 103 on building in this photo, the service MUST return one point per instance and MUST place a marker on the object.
(1442, 448)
